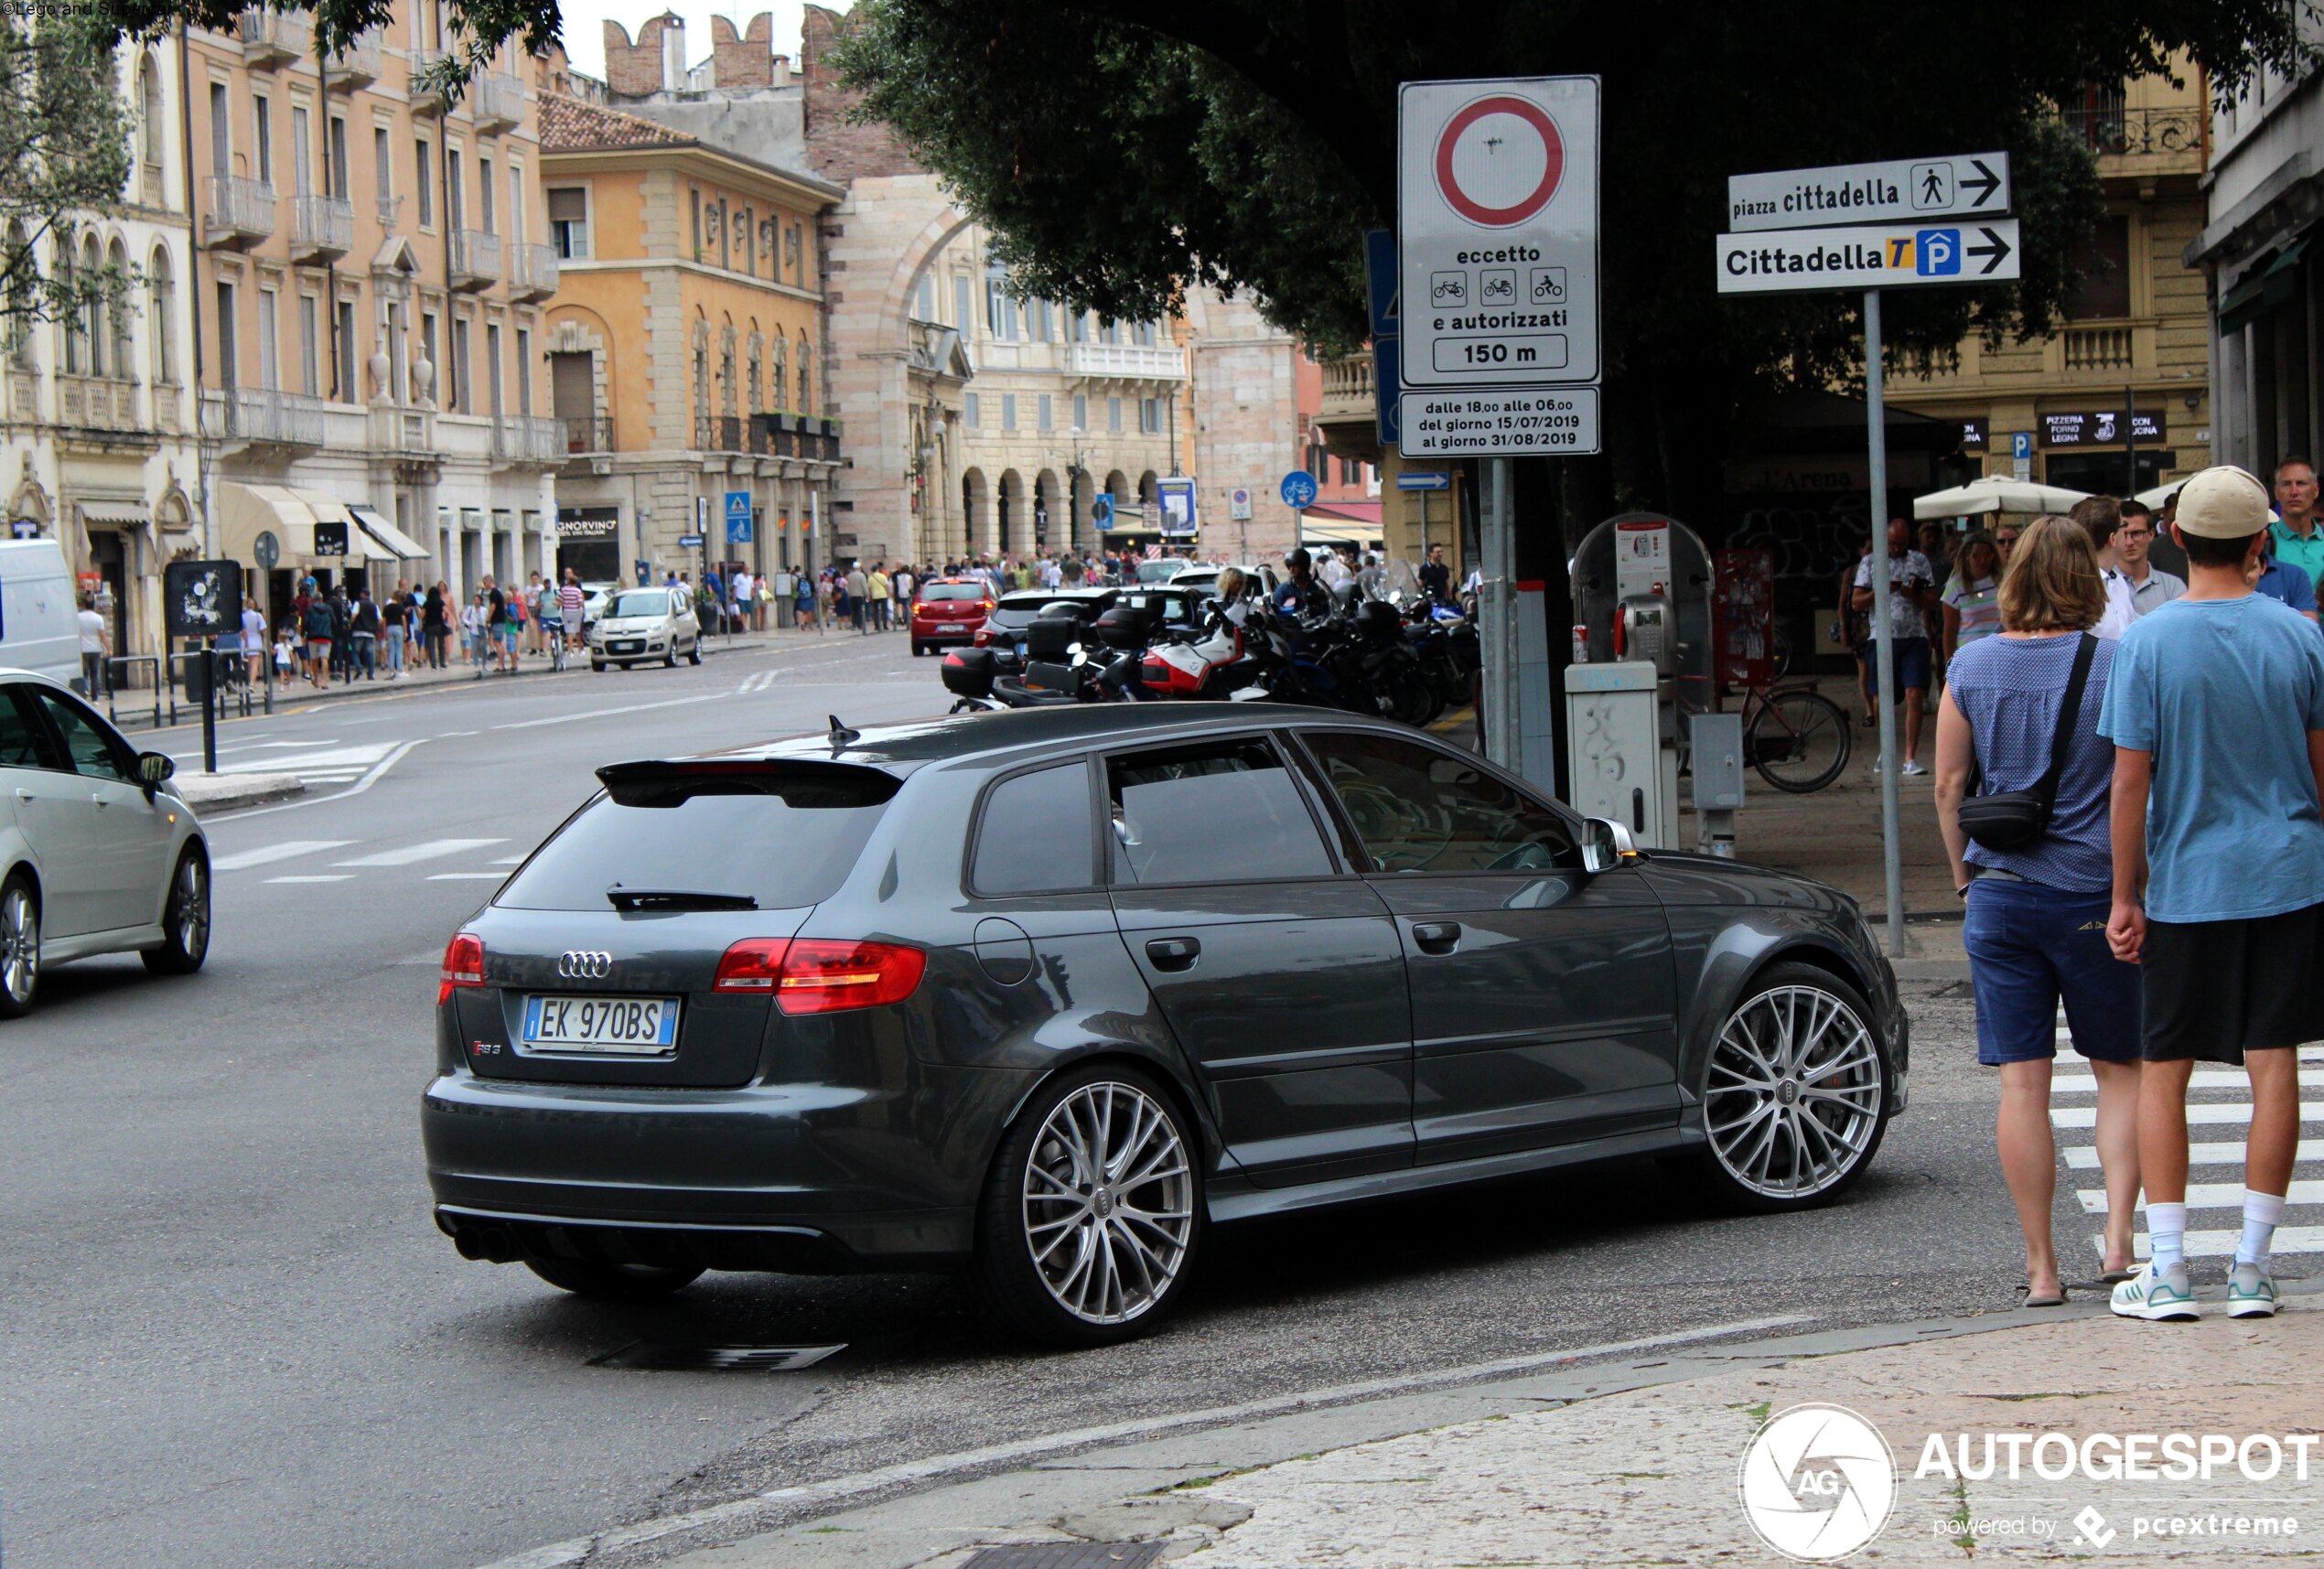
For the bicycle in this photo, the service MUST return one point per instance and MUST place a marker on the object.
(553, 634)
(1796, 738)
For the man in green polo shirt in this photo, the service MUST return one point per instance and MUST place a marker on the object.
(2298, 542)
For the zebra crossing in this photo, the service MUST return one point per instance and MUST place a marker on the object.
(418, 855)
(318, 763)
(2219, 1100)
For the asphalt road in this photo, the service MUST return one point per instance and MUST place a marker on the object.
(234, 1338)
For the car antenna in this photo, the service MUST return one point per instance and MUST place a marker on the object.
(841, 736)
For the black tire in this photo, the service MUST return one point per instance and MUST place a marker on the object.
(1849, 1106)
(597, 666)
(1411, 700)
(1799, 741)
(1006, 1278)
(693, 654)
(184, 918)
(670, 657)
(615, 1283)
(918, 649)
(19, 940)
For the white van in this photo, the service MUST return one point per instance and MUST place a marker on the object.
(39, 629)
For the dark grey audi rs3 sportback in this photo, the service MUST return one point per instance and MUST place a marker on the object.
(1039, 996)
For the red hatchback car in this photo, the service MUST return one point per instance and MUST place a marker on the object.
(948, 610)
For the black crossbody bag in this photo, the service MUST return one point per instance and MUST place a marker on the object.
(2014, 819)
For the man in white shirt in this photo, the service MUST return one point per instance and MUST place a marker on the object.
(2101, 517)
(254, 641)
(2151, 588)
(96, 647)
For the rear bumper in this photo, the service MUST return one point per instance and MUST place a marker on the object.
(792, 1177)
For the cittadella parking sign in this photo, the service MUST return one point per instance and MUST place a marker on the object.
(1497, 229)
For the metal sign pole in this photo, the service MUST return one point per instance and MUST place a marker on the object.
(1883, 642)
(1497, 612)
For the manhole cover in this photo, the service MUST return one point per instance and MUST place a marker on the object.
(1068, 1555)
(716, 1359)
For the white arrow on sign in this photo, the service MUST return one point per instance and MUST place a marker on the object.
(1881, 256)
(1971, 185)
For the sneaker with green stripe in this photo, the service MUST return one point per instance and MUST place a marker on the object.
(2251, 1292)
(2161, 1295)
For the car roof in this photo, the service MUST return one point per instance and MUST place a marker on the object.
(902, 749)
(1019, 599)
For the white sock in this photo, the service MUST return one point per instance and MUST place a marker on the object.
(2167, 1234)
(2261, 1211)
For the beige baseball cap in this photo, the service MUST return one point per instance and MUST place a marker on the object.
(2222, 503)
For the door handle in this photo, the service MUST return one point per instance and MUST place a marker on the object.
(1437, 936)
(97, 798)
(1173, 952)
(23, 794)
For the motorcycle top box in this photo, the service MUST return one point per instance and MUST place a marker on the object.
(1127, 627)
(1052, 635)
(968, 672)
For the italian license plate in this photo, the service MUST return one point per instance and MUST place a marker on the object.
(951, 627)
(631, 647)
(616, 1027)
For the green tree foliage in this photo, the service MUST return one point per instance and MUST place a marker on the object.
(64, 157)
(1122, 152)
(474, 30)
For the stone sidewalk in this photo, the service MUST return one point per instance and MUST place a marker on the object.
(1640, 1462)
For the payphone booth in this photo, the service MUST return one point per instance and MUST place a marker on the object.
(1644, 660)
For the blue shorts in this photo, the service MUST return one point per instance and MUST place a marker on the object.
(2030, 947)
(1913, 666)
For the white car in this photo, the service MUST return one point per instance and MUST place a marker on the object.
(653, 623)
(100, 854)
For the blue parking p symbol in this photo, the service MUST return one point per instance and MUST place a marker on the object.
(1937, 253)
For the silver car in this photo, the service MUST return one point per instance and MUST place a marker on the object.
(100, 854)
(653, 623)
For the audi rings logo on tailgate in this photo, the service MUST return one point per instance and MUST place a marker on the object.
(585, 964)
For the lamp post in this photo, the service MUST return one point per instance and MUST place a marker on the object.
(1074, 472)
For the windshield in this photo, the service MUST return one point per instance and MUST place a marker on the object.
(783, 842)
(641, 602)
(1159, 571)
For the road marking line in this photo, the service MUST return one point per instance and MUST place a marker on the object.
(511, 861)
(2222, 1244)
(315, 877)
(2219, 1078)
(2229, 1111)
(563, 1554)
(609, 713)
(379, 772)
(281, 851)
(431, 850)
(464, 876)
(2084, 1157)
(2211, 1195)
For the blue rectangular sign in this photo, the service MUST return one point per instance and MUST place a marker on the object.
(738, 517)
(1424, 480)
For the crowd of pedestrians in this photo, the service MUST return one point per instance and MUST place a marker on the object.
(2130, 784)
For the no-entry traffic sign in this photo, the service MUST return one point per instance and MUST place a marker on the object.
(1497, 230)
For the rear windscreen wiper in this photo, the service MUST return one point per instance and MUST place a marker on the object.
(624, 898)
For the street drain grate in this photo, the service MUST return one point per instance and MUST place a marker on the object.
(1068, 1555)
(714, 1358)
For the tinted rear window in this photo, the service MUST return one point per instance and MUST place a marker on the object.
(1035, 834)
(726, 836)
(1221, 811)
(936, 591)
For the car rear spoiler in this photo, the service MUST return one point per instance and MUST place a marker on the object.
(801, 782)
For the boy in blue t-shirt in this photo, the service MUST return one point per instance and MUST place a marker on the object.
(2216, 709)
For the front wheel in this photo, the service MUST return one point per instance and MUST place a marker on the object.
(694, 653)
(615, 1283)
(185, 919)
(597, 666)
(1794, 1093)
(1091, 1213)
(1799, 741)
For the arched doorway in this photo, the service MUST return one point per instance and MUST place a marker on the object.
(974, 528)
(1047, 534)
(1117, 490)
(1009, 531)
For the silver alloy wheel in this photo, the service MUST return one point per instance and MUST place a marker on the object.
(1109, 1202)
(19, 944)
(189, 907)
(1793, 1097)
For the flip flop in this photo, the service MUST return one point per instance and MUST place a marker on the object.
(2032, 1301)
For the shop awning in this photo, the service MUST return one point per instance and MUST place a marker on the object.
(404, 545)
(290, 514)
(2264, 288)
(329, 508)
(1340, 523)
(120, 514)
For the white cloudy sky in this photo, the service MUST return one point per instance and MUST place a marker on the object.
(585, 25)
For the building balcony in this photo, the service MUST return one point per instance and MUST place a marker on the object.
(525, 439)
(260, 417)
(240, 211)
(1125, 362)
(496, 100)
(402, 430)
(2130, 141)
(424, 99)
(322, 228)
(357, 65)
(2097, 355)
(98, 403)
(588, 436)
(802, 436)
(274, 37)
(475, 259)
(532, 271)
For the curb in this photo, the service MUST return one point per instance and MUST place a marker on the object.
(231, 792)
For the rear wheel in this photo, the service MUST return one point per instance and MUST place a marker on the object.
(615, 1283)
(918, 649)
(1091, 1213)
(1793, 1092)
(693, 653)
(19, 946)
(1799, 741)
(185, 921)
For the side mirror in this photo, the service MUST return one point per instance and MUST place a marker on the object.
(1606, 845)
(153, 767)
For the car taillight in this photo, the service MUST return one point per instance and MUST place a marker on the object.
(754, 964)
(984, 636)
(984, 605)
(825, 977)
(463, 965)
